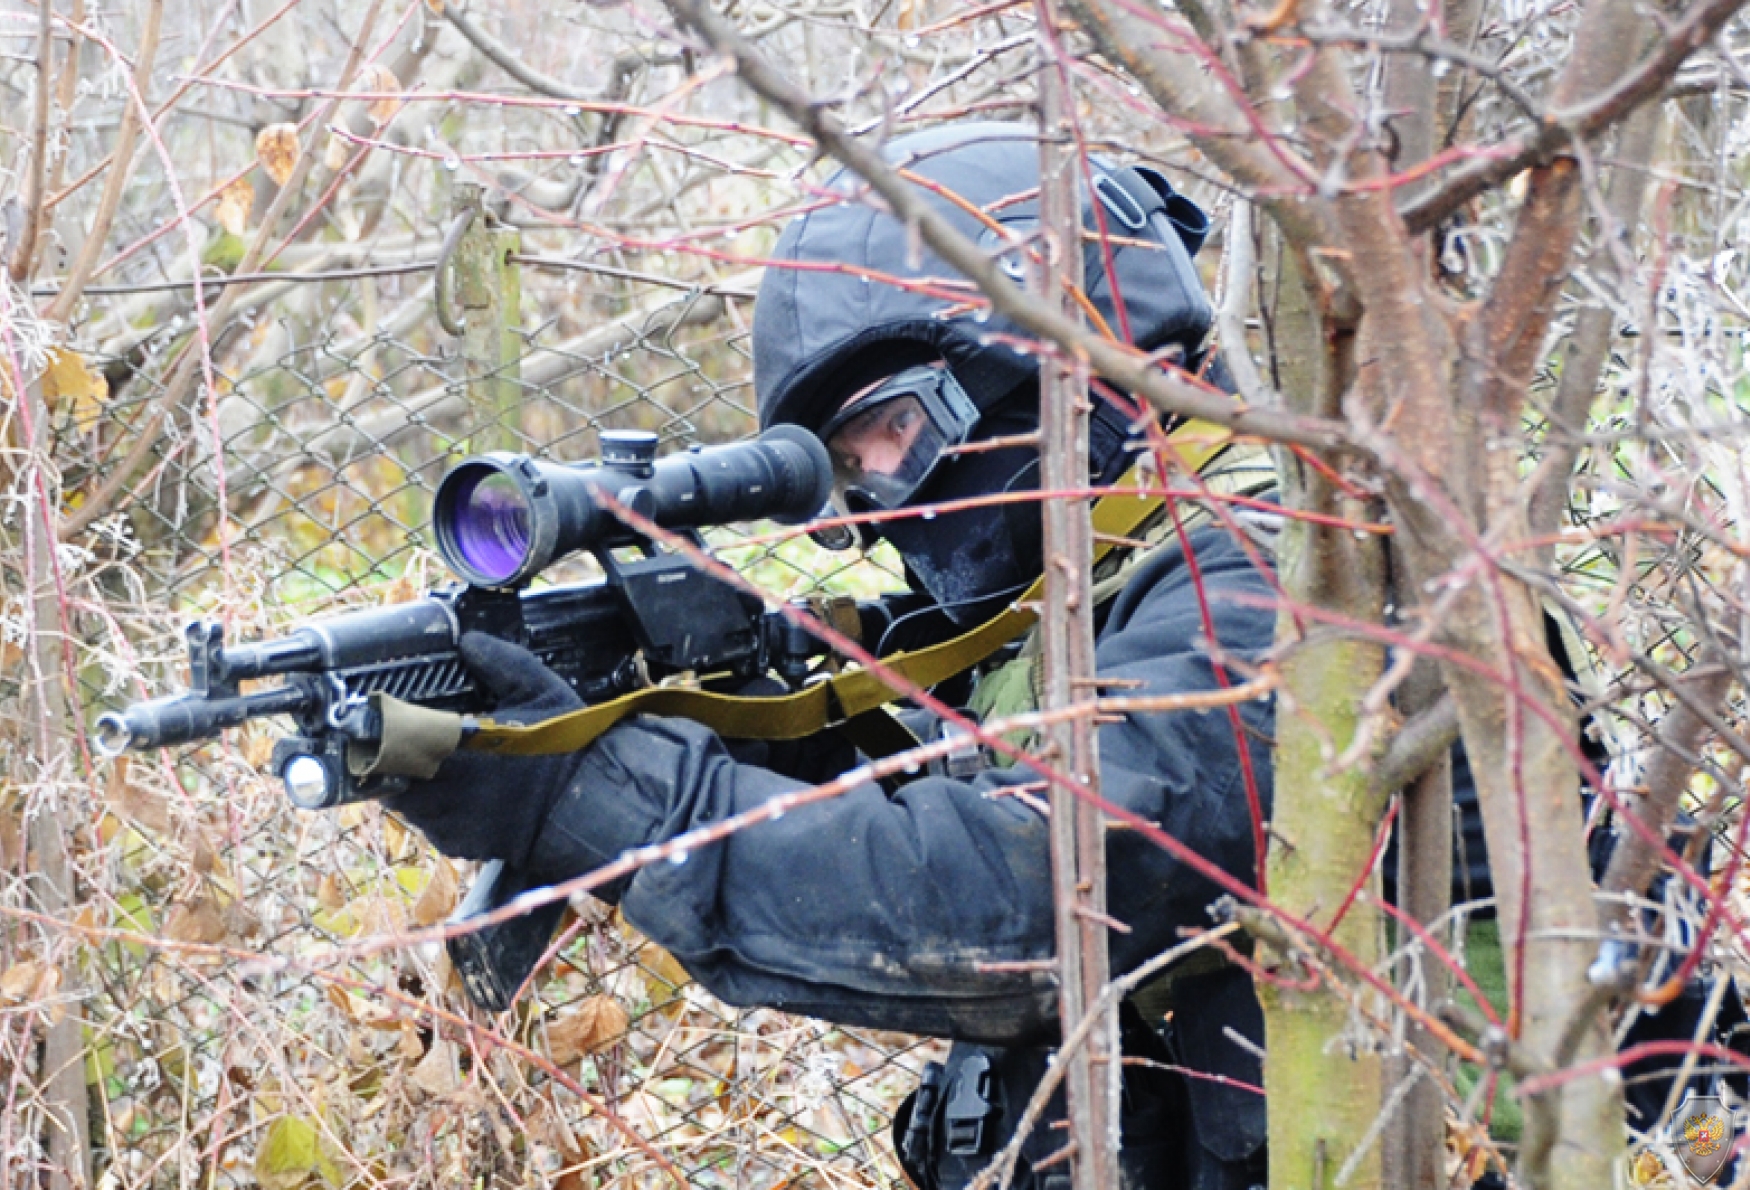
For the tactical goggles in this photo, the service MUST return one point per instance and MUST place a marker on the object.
(888, 440)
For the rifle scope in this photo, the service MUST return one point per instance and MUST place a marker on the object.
(500, 519)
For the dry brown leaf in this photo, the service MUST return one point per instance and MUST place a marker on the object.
(129, 801)
(47, 985)
(69, 380)
(547, 1123)
(146, 809)
(341, 999)
(408, 1045)
(439, 896)
(335, 155)
(29, 981)
(401, 590)
(277, 149)
(379, 1016)
(11, 829)
(377, 915)
(664, 976)
(109, 828)
(118, 778)
(123, 1120)
(449, 980)
(205, 857)
(328, 894)
(394, 836)
(235, 203)
(364, 1012)
(1462, 1151)
(437, 1073)
(257, 749)
(379, 78)
(594, 1024)
(198, 920)
(662, 972)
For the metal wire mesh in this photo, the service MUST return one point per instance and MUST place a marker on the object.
(245, 1004)
(330, 437)
(246, 1009)
(240, 1001)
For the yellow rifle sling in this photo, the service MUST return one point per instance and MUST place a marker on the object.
(853, 692)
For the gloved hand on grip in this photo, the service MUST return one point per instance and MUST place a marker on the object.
(481, 806)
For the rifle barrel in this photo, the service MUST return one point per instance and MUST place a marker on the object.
(185, 718)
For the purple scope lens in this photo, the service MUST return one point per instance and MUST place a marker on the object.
(489, 523)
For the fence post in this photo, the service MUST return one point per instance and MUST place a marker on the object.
(488, 296)
(54, 883)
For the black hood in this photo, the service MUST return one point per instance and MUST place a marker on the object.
(820, 333)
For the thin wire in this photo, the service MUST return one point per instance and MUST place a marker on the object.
(607, 270)
(220, 281)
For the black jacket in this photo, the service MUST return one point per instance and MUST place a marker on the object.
(880, 910)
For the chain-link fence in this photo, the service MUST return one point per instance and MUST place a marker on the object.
(334, 249)
(224, 1045)
(226, 974)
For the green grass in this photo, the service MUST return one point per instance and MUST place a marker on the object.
(1487, 965)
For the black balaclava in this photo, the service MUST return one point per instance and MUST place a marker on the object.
(972, 562)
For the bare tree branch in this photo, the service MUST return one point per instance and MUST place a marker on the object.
(103, 501)
(1421, 742)
(1123, 366)
(1408, 89)
(1232, 136)
(24, 251)
(115, 181)
(1516, 313)
(1681, 734)
(1414, 1149)
(1585, 118)
(66, 95)
(1588, 347)
(506, 59)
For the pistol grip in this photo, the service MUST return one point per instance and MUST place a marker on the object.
(494, 960)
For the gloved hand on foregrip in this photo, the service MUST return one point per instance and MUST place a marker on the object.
(481, 806)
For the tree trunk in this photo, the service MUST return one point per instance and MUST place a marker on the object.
(1323, 1096)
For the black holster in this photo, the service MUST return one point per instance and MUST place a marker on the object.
(967, 1109)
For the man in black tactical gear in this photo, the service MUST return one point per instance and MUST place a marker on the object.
(927, 908)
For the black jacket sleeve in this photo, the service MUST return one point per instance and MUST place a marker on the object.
(891, 911)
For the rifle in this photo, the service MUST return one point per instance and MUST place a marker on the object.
(501, 519)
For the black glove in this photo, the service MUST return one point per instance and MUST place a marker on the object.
(481, 806)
